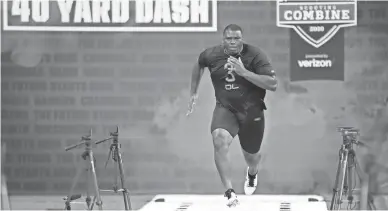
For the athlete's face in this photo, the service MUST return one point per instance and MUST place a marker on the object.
(233, 41)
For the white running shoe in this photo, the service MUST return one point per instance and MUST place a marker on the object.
(250, 184)
(232, 198)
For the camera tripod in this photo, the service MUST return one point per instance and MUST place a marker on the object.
(88, 155)
(348, 166)
(114, 151)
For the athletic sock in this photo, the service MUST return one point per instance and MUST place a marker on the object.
(228, 193)
(252, 176)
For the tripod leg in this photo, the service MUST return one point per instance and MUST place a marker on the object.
(344, 172)
(335, 189)
(95, 182)
(335, 201)
(346, 185)
(94, 201)
(351, 166)
(88, 199)
(127, 202)
(70, 197)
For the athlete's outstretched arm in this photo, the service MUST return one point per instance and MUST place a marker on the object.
(196, 76)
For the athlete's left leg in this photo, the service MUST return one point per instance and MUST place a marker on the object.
(251, 135)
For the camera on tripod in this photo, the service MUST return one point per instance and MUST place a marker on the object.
(348, 172)
(349, 134)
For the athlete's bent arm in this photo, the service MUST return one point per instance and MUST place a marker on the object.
(264, 75)
(264, 81)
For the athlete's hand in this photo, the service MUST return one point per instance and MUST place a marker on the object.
(193, 101)
(239, 68)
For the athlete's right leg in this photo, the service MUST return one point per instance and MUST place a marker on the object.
(221, 141)
(224, 128)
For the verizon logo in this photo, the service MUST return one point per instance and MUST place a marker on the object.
(315, 63)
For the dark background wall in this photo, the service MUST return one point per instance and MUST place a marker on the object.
(140, 81)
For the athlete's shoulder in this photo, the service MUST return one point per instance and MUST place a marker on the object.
(254, 50)
(208, 55)
(209, 51)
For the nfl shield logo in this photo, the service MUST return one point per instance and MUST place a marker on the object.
(316, 21)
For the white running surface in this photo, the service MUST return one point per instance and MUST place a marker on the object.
(177, 202)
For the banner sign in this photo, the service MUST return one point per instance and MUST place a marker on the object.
(110, 15)
(317, 36)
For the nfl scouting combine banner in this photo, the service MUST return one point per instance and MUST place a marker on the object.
(317, 38)
(111, 15)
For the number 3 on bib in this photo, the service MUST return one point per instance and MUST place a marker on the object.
(230, 69)
(230, 78)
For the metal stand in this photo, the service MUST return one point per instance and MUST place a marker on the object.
(87, 155)
(5, 202)
(347, 167)
(114, 151)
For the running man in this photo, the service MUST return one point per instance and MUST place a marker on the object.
(241, 74)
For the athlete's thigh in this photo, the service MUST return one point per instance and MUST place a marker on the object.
(223, 118)
(252, 130)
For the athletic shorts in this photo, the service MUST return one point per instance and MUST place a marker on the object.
(248, 125)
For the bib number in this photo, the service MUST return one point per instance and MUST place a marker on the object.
(230, 78)
(230, 69)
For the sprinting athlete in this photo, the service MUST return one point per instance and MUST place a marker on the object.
(241, 74)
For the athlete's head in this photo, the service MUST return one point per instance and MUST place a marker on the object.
(232, 38)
